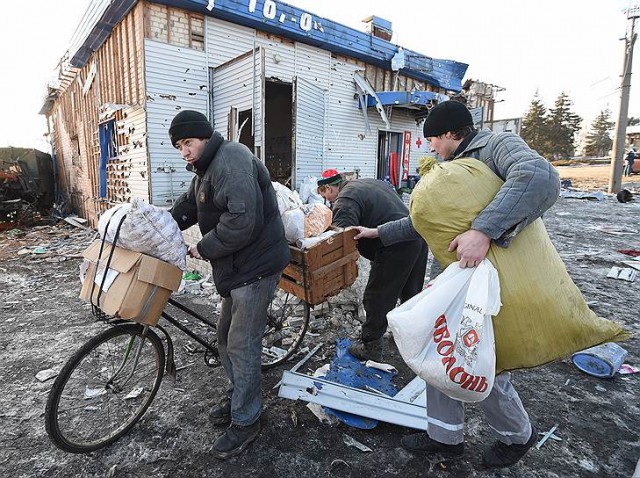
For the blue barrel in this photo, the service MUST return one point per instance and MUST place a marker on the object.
(600, 361)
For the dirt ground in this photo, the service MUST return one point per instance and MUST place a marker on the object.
(42, 322)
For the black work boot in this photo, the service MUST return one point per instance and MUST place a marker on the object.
(234, 440)
(373, 350)
(220, 414)
(422, 443)
(500, 455)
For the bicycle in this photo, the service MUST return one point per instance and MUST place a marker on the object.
(110, 382)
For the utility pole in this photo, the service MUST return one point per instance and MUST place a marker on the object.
(617, 155)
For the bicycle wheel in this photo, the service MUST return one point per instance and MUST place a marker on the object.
(287, 321)
(104, 388)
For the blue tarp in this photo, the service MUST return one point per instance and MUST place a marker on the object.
(348, 370)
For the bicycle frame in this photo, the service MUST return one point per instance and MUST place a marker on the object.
(136, 357)
(187, 331)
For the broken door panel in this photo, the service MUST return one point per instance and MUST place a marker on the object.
(309, 104)
(238, 94)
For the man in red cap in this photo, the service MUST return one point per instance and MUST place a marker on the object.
(397, 271)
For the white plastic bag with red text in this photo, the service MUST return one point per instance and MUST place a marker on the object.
(445, 333)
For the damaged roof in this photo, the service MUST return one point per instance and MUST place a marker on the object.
(280, 19)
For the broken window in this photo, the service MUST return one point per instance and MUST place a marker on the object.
(108, 150)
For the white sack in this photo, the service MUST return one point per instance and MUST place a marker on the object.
(309, 191)
(287, 199)
(445, 333)
(147, 229)
(309, 220)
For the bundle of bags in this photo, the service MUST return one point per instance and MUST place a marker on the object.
(147, 229)
(301, 221)
(544, 317)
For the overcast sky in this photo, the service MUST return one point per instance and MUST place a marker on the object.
(547, 46)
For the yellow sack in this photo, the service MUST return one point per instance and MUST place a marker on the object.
(544, 316)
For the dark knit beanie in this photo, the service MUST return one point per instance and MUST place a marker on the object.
(189, 124)
(446, 116)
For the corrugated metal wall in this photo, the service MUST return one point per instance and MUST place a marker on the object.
(279, 57)
(309, 121)
(225, 41)
(239, 84)
(349, 146)
(176, 79)
(313, 64)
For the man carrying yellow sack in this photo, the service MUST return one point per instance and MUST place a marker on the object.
(531, 186)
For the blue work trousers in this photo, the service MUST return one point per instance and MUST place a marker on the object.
(241, 326)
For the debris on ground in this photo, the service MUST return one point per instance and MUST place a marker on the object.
(548, 435)
(44, 323)
(623, 273)
(48, 374)
(626, 369)
(350, 441)
(594, 196)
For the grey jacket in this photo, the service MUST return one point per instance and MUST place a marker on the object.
(531, 186)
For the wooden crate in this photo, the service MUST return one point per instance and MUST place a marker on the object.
(322, 270)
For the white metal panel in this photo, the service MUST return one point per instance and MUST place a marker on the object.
(176, 79)
(368, 404)
(239, 84)
(348, 146)
(309, 105)
(313, 64)
(135, 153)
(279, 59)
(226, 41)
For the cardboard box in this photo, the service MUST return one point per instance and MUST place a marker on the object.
(138, 286)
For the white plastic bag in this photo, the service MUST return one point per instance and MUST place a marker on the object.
(445, 333)
(309, 191)
(308, 220)
(148, 229)
(287, 199)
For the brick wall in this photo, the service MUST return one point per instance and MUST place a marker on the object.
(191, 237)
(174, 26)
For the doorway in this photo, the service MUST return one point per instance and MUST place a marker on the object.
(245, 128)
(278, 126)
(389, 157)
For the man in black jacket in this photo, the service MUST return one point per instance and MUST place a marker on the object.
(397, 271)
(233, 201)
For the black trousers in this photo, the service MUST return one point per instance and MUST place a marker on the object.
(397, 272)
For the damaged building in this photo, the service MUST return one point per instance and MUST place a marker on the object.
(304, 93)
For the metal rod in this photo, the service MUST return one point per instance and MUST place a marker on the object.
(191, 312)
(302, 362)
(191, 334)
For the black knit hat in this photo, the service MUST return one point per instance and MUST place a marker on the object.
(189, 124)
(446, 116)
